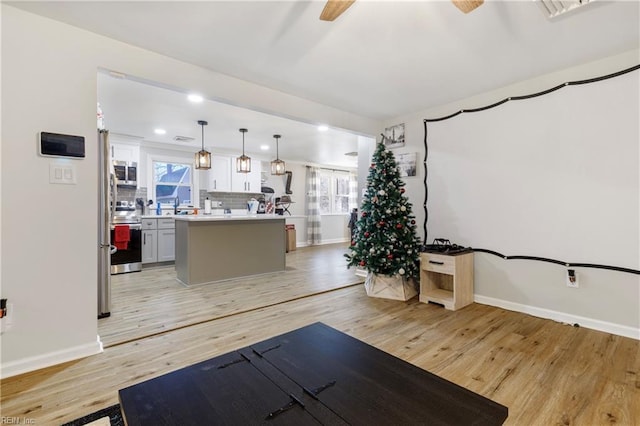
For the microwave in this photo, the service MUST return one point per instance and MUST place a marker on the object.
(126, 174)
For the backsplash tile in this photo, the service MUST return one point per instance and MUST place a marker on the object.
(230, 200)
(130, 195)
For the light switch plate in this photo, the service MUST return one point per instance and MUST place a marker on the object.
(62, 173)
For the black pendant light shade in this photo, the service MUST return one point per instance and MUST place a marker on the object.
(277, 165)
(243, 163)
(203, 157)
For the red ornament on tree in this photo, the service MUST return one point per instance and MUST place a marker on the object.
(413, 222)
(389, 256)
(399, 226)
(366, 234)
(402, 190)
(381, 223)
(364, 214)
(362, 263)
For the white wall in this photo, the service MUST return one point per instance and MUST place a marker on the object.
(555, 177)
(49, 262)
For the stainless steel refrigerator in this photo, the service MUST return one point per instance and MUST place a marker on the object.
(106, 202)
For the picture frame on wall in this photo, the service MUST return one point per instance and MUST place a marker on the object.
(407, 164)
(394, 136)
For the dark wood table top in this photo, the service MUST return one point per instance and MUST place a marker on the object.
(312, 375)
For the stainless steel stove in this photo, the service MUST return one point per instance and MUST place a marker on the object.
(126, 240)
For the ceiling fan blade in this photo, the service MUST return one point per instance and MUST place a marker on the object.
(467, 5)
(334, 8)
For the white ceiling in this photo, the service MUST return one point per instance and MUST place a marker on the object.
(380, 59)
(133, 110)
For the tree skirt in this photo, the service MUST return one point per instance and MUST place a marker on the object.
(396, 287)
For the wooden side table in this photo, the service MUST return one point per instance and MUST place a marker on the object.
(446, 279)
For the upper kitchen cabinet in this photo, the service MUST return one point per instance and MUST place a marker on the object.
(222, 177)
(247, 182)
(125, 152)
(219, 175)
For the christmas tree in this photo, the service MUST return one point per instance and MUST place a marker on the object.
(384, 241)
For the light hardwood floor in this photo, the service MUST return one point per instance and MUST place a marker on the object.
(545, 372)
(153, 301)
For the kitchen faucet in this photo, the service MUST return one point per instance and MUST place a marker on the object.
(176, 203)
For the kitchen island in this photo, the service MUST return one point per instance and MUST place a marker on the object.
(214, 247)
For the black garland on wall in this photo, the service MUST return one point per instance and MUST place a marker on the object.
(519, 98)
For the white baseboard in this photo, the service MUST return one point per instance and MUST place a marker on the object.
(27, 365)
(334, 241)
(608, 327)
(323, 242)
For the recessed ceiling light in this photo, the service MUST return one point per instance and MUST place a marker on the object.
(264, 147)
(159, 131)
(195, 98)
(323, 128)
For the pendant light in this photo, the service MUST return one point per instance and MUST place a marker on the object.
(203, 157)
(277, 165)
(243, 163)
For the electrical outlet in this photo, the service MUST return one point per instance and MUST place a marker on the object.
(572, 278)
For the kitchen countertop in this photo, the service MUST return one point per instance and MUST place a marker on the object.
(220, 216)
(209, 218)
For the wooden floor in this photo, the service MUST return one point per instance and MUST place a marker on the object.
(153, 301)
(545, 372)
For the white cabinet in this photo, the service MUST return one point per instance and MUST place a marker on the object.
(247, 182)
(224, 178)
(158, 240)
(166, 240)
(125, 152)
(149, 246)
(219, 179)
(149, 240)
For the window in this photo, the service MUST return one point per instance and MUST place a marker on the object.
(337, 192)
(171, 180)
